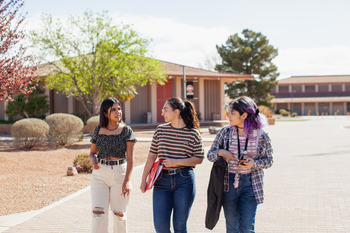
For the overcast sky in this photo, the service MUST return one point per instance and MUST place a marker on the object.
(312, 37)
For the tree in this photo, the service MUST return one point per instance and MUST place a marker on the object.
(16, 69)
(95, 59)
(250, 54)
(32, 105)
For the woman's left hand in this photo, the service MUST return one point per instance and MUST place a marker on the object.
(170, 162)
(126, 188)
(247, 165)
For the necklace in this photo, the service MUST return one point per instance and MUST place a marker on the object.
(113, 128)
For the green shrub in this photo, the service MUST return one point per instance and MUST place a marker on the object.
(294, 114)
(64, 128)
(92, 123)
(32, 105)
(284, 112)
(29, 132)
(280, 111)
(6, 122)
(83, 163)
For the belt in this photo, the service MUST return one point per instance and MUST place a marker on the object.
(174, 171)
(112, 162)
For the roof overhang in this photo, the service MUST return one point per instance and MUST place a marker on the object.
(175, 70)
(172, 70)
(311, 100)
(299, 80)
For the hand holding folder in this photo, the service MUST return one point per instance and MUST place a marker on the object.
(154, 174)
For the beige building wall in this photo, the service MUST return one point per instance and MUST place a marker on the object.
(208, 100)
(58, 102)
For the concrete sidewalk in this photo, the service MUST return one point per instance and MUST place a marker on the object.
(306, 190)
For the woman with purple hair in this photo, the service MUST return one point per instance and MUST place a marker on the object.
(247, 150)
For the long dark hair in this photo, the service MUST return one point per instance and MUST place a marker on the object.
(254, 120)
(105, 105)
(187, 111)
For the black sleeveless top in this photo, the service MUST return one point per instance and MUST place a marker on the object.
(114, 145)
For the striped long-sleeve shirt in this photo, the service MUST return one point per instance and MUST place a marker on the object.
(263, 158)
(176, 143)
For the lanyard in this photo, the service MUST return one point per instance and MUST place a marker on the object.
(239, 146)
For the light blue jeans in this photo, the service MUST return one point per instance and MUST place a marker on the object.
(240, 205)
(173, 193)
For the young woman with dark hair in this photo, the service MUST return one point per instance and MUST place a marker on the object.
(178, 143)
(247, 153)
(112, 155)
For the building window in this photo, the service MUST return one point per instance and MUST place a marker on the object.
(310, 109)
(310, 88)
(323, 108)
(337, 88)
(283, 89)
(347, 87)
(323, 88)
(297, 88)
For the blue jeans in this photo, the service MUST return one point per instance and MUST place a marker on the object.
(173, 193)
(240, 205)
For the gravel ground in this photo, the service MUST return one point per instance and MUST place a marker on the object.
(33, 179)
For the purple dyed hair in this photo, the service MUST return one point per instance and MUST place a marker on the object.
(254, 120)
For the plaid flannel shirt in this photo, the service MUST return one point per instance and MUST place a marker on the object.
(263, 159)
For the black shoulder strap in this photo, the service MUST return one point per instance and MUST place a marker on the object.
(228, 139)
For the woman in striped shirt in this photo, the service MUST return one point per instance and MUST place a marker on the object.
(179, 144)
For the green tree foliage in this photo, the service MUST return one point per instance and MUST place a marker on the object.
(33, 105)
(250, 54)
(95, 59)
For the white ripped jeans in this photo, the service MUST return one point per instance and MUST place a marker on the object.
(106, 189)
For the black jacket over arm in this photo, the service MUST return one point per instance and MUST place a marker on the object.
(215, 190)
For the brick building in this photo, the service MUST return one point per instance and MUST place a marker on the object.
(313, 95)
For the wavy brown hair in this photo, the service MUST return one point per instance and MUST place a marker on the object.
(105, 105)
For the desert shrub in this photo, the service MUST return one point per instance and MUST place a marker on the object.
(64, 128)
(92, 123)
(280, 111)
(83, 163)
(294, 114)
(29, 132)
(284, 112)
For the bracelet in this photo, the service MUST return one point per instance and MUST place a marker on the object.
(93, 158)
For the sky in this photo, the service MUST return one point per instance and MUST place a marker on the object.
(312, 36)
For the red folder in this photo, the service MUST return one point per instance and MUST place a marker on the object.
(153, 174)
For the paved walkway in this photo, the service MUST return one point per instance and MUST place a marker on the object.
(307, 189)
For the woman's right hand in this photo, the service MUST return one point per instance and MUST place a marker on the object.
(96, 166)
(226, 155)
(143, 186)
